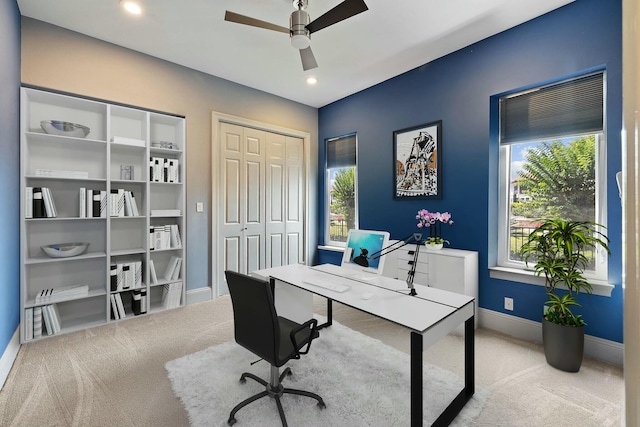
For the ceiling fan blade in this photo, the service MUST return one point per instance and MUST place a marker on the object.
(308, 60)
(241, 19)
(344, 10)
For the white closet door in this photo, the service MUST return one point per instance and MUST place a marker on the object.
(254, 208)
(276, 197)
(285, 200)
(242, 207)
(295, 200)
(262, 201)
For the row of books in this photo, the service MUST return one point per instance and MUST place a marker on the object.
(163, 170)
(125, 275)
(51, 295)
(138, 304)
(40, 320)
(164, 237)
(171, 272)
(39, 203)
(171, 295)
(93, 203)
(122, 203)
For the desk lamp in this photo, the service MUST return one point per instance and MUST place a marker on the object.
(414, 237)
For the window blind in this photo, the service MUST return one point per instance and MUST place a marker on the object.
(568, 108)
(341, 152)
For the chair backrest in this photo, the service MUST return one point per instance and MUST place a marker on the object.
(254, 314)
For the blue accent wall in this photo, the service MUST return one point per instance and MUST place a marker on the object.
(9, 170)
(457, 89)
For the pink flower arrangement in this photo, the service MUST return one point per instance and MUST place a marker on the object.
(433, 221)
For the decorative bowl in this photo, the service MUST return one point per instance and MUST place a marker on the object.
(57, 127)
(65, 250)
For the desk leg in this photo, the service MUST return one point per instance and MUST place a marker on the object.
(329, 314)
(469, 357)
(463, 397)
(416, 379)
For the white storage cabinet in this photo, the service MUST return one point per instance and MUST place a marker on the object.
(453, 270)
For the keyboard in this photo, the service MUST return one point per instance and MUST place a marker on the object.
(337, 287)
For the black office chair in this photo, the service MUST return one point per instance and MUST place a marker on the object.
(275, 339)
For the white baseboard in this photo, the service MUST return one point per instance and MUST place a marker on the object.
(597, 348)
(199, 295)
(9, 356)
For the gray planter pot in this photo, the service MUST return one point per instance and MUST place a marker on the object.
(563, 345)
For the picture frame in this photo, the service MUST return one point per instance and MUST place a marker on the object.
(417, 162)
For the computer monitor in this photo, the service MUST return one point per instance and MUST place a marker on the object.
(362, 252)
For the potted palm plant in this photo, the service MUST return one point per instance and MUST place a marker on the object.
(562, 250)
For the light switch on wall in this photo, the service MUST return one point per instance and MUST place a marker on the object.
(199, 207)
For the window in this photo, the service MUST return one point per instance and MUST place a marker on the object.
(341, 200)
(552, 163)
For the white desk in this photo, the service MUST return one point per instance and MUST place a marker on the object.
(429, 316)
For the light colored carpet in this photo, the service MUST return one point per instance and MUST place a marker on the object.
(362, 381)
(114, 375)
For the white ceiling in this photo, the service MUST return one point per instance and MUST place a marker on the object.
(390, 38)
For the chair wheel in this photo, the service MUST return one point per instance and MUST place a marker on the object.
(322, 405)
(231, 421)
(242, 381)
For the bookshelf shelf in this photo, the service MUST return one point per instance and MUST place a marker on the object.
(127, 181)
(57, 178)
(59, 139)
(62, 219)
(80, 323)
(166, 183)
(167, 249)
(127, 218)
(91, 294)
(45, 259)
(164, 282)
(110, 168)
(132, 251)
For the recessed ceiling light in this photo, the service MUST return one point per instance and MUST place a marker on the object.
(311, 81)
(131, 7)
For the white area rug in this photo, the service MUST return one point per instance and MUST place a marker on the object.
(362, 381)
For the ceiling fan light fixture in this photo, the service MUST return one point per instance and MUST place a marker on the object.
(299, 34)
(300, 41)
(131, 7)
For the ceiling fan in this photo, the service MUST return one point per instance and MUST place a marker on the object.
(301, 26)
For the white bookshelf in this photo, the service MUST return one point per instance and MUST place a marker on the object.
(112, 239)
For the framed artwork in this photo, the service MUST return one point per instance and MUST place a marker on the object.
(417, 158)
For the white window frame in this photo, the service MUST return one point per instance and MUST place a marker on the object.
(517, 270)
(327, 195)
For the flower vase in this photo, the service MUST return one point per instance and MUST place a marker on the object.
(433, 246)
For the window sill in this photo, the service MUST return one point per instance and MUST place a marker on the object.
(525, 276)
(331, 248)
